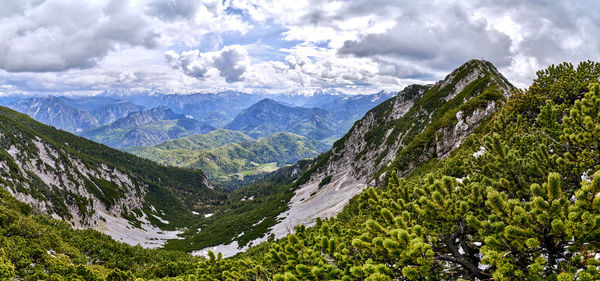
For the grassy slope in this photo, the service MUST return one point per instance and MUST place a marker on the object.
(116, 137)
(176, 191)
(234, 159)
(178, 151)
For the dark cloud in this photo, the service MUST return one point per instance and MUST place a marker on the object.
(316, 17)
(510, 33)
(231, 62)
(388, 68)
(171, 10)
(553, 31)
(188, 62)
(439, 42)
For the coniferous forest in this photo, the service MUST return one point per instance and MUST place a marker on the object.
(518, 200)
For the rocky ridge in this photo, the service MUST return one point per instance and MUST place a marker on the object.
(422, 122)
(51, 171)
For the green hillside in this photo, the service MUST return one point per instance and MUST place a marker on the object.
(173, 152)
(35, 247)
(173, 191)
(518, 200)
(146, 134)
(225, 154)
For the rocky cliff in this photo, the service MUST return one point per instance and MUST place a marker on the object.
(57, 112)
(421, 123)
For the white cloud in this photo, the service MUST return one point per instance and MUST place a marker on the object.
(437, 36)
(231, 62)
(370, 44)
(59, 35)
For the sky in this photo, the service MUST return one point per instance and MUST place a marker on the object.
(355, 46)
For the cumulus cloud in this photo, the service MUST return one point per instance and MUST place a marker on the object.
(59, 35)
(416, 38)
(231, 62)
(266, 44)
(308, 66)
(173, 9)
(437, 36)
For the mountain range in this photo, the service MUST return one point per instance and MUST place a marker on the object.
(466, 178)
(146, 127)
(268, 116)
(96, 114)
(56, 111)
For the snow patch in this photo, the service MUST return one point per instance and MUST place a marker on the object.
(161, 220)
(585, 176)
(148, 236)
(228, 250)
(258, 222)
(208, 215)
(479, 152)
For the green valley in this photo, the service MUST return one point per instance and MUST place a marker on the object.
(354, 140)
(224, 154)
(515, 199)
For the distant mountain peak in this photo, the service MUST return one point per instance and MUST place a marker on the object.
(268, 116)
(420, 123)
(266, 101)
(56, 111)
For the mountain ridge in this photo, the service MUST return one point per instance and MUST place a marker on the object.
(268, 116)
(146, 127)
(421, 120)
(56, 111)
(93, 186)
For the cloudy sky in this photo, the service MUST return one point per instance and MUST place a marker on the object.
(261, 45)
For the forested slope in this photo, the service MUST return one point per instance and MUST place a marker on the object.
(93, 186)
(235, 159)
(519, 199)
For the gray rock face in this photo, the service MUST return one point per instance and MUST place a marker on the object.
(57, 112)
(111, 112)
(376, 141)
(452, 137)
(349, 178)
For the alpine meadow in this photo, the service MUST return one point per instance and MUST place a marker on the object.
(269, 140)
